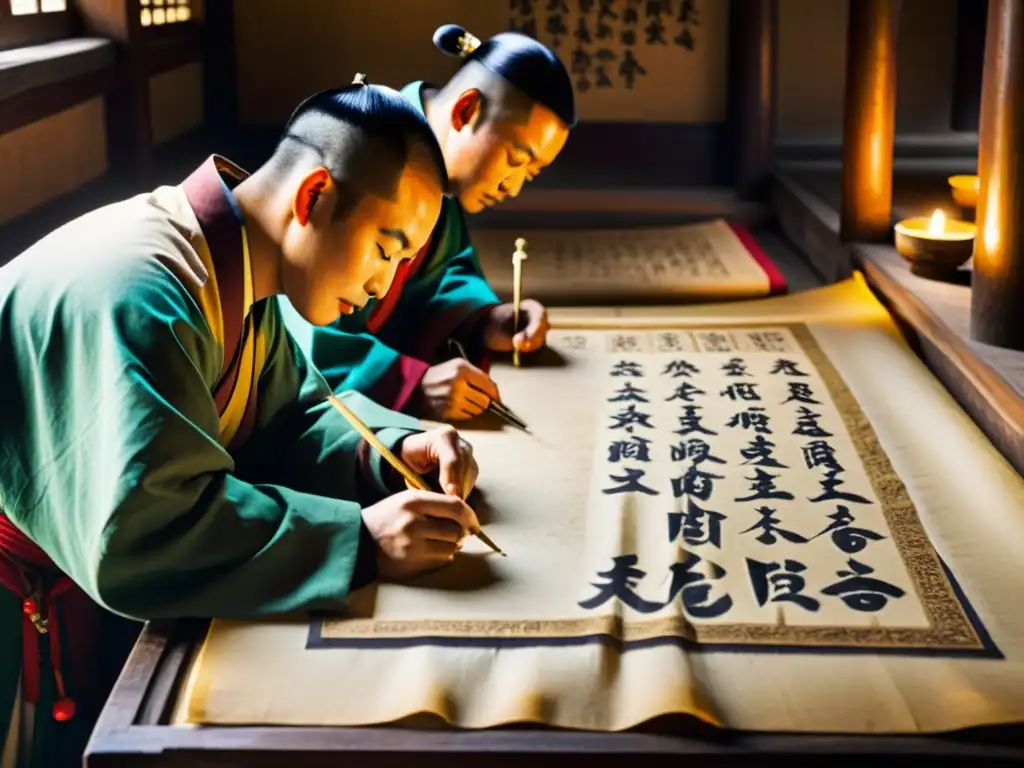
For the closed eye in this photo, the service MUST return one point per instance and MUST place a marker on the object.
(383, 255)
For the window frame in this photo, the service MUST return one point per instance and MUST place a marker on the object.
(165, 30)
(36, 28)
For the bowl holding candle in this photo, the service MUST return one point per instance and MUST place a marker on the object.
(965, 190)
(934, 245)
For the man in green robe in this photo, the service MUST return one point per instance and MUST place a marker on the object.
(167, 451)
(501, 119)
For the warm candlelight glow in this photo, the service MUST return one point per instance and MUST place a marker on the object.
(937, 225)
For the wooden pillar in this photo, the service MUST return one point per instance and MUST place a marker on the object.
(129, 128)
(220, 87)
(971, 16)
(869, 120)
(997, 286)
(753, 51)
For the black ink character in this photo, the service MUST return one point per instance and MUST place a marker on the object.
(715, 341)
(697, 526)
(696, 450)
(769, 527)
(830, 492)
(655, 30)
(585, 6)
(626, 368)
(677, 368)
(786, 367)
(524, 7)
(742, 390)
(763, 486)
(820, 453)
(696, 588)
(558, 6)
(629, 393)
(847, 538)
(688, 12)
(685, 39)
(629, 416)
(580, 62)
(635, 448)
(668, 342)
(768, 341)
(582, 33)
(629, 483)
(786, 586)
(629, 68)
(604, 55)
(620, 582)
(801, 393)
(690, 422)
(760, 453)
(807, 424)
(556, 28)
(737, 366)
(695, 482)
(686, 392)
(860, 591)
(623, 342)
(753, 418)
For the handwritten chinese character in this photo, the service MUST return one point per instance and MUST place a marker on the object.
(770, 526)
(629, 483)
(780, 583)
(860, 591)
(620, 582)
(762, 485)
(847, 538)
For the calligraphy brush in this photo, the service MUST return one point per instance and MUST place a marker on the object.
(500, 410)
(413, 479)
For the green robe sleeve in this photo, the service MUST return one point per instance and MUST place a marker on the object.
(122, 480)
(300, 440)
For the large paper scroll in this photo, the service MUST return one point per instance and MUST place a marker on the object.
(772, 526)
(697, 262)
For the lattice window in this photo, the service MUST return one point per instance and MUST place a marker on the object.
(28, 7)
(156, 13)
(28, 22)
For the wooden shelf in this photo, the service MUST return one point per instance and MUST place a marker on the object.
(987, 381)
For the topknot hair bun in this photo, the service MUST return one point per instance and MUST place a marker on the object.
(453, 40)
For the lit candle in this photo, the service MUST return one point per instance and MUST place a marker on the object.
(965, 190)
(935, 245)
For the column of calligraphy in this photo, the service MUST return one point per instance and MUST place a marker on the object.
(727, 489)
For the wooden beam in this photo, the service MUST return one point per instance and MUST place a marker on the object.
(220, 69)
(753, 52)
(971, 16)
(869, 120)
(997, 286)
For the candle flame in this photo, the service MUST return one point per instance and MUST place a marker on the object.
(937, 225)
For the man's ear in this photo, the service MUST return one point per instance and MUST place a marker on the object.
(467, 109)
(315, 183)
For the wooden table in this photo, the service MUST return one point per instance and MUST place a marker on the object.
(134, 731)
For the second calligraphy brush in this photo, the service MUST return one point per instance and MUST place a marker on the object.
(498, 409)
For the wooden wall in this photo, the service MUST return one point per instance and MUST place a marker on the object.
(57, 154)
(287, 50)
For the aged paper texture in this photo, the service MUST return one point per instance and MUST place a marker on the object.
(767, 523)
(706, 261)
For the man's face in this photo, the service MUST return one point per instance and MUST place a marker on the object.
(492, 161)
(333, 267)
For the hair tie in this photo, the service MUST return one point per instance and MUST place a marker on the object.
(467, 44)
(359, 79)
